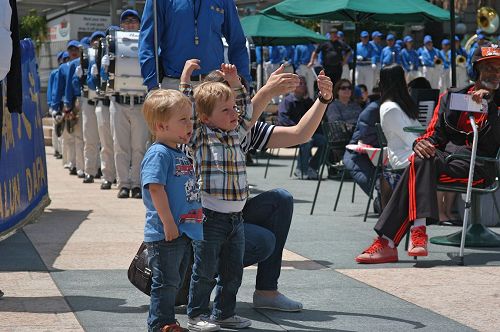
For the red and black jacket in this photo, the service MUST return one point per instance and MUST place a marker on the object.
(449, 126)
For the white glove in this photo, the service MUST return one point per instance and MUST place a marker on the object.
(374, 66)
(359, 58)
(105, 60)
(94, 70)
(79, 71)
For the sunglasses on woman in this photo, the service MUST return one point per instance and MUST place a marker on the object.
(345, 87)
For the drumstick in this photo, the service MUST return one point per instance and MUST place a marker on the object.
(155, 28)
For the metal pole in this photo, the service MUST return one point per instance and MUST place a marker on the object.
(453, 48)
(468, 205)
(113, 8)
(354, 54)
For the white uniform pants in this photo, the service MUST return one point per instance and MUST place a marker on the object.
(105, 129)
(310, 77)
(130, 135)
(433, 75)
(56, 144)
(73, 145)
(412, 74)
(90, 137)
(462, 77)
(376, 75)
(445, 81)
(346, 73)
(364, 75)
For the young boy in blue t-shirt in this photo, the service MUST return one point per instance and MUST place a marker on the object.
(171, 196)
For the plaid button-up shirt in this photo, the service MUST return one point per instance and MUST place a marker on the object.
(219, 159)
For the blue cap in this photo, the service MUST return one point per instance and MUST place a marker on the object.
(364, 34)
(130, 12)
(340, 34)
(399, 43)
(407, 39)
(59, 55)
(357, 91)
(445, 42)
(65, 55)
(427, 39)
(390, 37)
(97, 34)
(376, 34)
(73, 43)
(457, 38)
(481, 36)
(85, 41)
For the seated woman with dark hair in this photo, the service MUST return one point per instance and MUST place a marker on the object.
(343, 108)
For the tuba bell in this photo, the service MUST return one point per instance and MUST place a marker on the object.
(460, 60)
(487, 20)
(438, 61)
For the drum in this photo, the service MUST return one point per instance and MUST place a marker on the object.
(124, 71)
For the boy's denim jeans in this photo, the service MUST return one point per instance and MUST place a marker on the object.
(219, 253)
(168, 262)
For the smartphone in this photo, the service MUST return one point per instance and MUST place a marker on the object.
(464, 103)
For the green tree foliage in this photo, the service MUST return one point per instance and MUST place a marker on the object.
(33, 26)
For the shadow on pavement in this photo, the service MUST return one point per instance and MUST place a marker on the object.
(77, 303)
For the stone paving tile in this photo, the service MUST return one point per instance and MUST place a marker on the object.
(32, 302)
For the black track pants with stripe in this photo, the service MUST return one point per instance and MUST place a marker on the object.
(415, 195)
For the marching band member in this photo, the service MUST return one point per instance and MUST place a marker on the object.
(91, 148)
(300, 60)
(346, 70)
(410, 60)
(191, 30)
(445, 55)
(366, 62)
(62, 57)
(130, 131)
(429, 55)
(461, 60)
(390, 53)
(376, 42)
(63, 94)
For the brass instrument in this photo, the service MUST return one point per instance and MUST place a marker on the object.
(460, 60)
(438, 61)
(487, 20)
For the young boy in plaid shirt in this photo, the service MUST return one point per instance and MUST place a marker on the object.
(223, 117)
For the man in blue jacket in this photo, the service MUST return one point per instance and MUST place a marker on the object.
(378, 47)
(366, 65)
(300, 60)
(61, 57)
(390, 53)
(429, 56)
(190, 30)
(410, 60)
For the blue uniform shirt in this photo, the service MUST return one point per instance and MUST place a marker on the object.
(409, 59)
(50, 85)
(59, 86)
(389, 56)
(303, 54)
(258, 54)
(428, 56)
(366, 51)
(172, 169)
(378, 50)
(277, 54)
(176, 38)
(446, 57)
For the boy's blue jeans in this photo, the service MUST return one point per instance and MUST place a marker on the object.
(168, 262)
(219, 253)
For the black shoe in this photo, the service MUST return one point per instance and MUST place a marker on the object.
(57, 155)
(1, 293)
(88, 179)
(136, 193)
(81, 175)
(73, 171)
(114, 181)
(99, 174)
(105, 185)
(124, 193)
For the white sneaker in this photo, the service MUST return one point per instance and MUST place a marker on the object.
(201, 324)
(234, 322)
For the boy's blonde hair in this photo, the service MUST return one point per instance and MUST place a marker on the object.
(207, 94)
(160, 105)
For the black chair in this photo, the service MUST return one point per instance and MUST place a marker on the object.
(337, 134)
(296, 147)
(477, 235)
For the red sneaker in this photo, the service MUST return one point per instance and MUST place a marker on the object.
(175, 327)
(418, 242)
(378, 252)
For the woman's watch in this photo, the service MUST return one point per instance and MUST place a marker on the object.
(323, 100)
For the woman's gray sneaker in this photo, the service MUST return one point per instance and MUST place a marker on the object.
(280, 302)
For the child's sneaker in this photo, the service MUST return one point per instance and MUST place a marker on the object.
(202, 324)
(173, 328)
(378, 252)
(418, 242)
(234, 322)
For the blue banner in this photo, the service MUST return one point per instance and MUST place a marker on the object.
(23, 168)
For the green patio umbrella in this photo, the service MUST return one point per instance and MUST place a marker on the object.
(397, 11)
(266, 30)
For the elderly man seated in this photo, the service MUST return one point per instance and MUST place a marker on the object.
(290, 111)
(414, 200)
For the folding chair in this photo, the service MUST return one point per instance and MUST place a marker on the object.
(337, 135)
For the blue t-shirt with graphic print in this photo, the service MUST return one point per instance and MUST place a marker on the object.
(171, 168)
